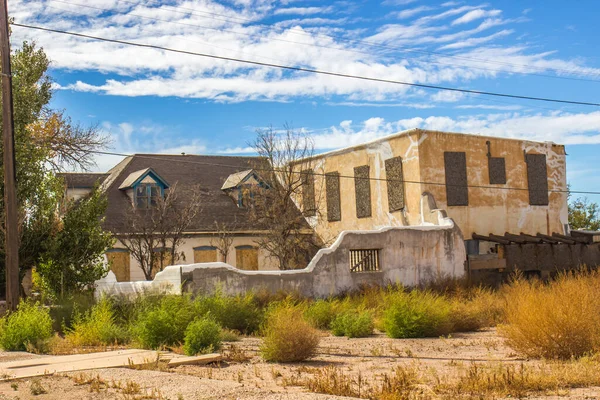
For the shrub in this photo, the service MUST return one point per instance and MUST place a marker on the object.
(97, 327)
(63, 310)
(482, 308)
(353, 324)
(320, 314)
(559, 320)
(165, 324)
(239, 313)
(416, 314)
(287, 336)
(202, 336)
(30, 325)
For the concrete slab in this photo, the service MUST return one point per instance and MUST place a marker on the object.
(194, 360)
(54, 364)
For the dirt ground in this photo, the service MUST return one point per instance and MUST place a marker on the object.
(246, 376)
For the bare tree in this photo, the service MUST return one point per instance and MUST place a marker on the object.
(224, 239)
(287, 171)
(155, 233)
(70, 145)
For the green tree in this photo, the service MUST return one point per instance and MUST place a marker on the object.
(74, 259)
(45, 141)
(584, 214)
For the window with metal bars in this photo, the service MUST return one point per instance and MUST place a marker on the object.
(364, 260)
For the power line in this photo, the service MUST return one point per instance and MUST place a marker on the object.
(329, 47)
(256, 168)
(309, 70)
(369, 43)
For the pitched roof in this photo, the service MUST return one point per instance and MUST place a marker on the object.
(234, 179)
(137, 175)
(208, 172)
(82, 180)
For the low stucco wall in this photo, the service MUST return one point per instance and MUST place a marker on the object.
(408, 255)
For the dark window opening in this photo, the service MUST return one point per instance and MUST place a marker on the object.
(147, 195)
(362, 189)
(455, 165)
(308, 193)
(364, 260)
(537, 179)
(497, 170)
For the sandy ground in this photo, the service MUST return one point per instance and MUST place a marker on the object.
(246, 376)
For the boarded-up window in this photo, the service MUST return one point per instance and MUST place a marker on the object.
(537, 179)
(455, 165)
(246, 257)
(118, 260)
(497, 170)
(205, 254)
(395, 183)
(364, 260)
(332, 189)
(162, 259)
(308, 193)
(362, 188)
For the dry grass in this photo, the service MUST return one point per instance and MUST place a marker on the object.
(288, 337)
(559, 320)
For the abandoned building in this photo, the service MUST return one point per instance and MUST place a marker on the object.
(220, 179)
(485, 184)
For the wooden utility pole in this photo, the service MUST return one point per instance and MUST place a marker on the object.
(10, 193)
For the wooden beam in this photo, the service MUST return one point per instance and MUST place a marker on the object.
(539, 239)
(195, 360)
(555, 239)
(499, 239)
(574, 239)
(521, 238)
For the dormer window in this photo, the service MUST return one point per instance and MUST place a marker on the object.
(240, 186)
(146, 195)
(144, 187)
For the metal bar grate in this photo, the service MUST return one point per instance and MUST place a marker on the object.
(364, 260)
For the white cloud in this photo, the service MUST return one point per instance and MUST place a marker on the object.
(411, 12)
(302, 10)
(476, 14)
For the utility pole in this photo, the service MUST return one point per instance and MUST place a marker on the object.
(10, 193)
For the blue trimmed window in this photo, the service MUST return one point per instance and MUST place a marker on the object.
(146, 195)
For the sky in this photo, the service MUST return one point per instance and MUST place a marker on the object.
(152, 101)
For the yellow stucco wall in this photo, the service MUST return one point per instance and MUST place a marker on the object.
(489, 210)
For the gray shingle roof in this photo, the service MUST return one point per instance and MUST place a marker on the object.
(208, 172)
(82, 180)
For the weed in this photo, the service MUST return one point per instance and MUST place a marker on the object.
(29, 325)
(239, 313)
(558, 320)
(228, 335)
(416, 314)
(353, 324)
(321, 313)
(287, 336)
(235, 354)
(202, 336)
(36, 388)
(97, 327)
(14, 386)
(331, 381)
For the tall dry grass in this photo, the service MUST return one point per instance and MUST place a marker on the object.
(556, 320)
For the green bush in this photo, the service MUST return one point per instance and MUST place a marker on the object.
(353, 324)
(416, 314)
(29, 325)
(320, 314)
(202, 336)
(63, 310)
(165, 324)
(97, 327)
(287, 336)
(238, 313)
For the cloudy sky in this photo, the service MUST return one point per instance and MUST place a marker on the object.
(154, 101)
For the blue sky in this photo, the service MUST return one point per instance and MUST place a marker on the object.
(150, 101)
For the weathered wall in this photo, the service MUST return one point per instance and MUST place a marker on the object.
(187, 247)
(488, 210)
(496, 210)
(408, 255)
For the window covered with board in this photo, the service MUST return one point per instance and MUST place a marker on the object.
(455, 166)
(537, 179)
(332, 196)
(395, 183)
(362, 189)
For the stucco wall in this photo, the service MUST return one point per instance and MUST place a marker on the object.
(408, 255)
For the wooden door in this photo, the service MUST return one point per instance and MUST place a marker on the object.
(119, 265)
(246, 257)
(166, 261)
